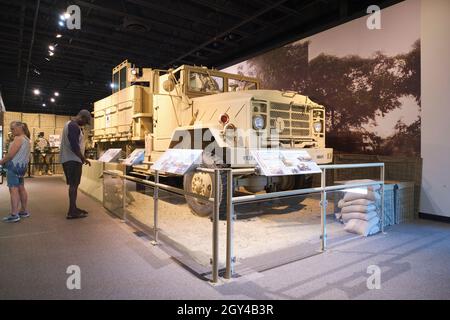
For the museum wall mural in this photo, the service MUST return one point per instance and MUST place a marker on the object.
(368, 80)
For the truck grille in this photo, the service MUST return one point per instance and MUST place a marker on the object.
(296, 120)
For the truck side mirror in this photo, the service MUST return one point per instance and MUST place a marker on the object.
(169, 85)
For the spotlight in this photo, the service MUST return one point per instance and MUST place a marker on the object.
(52, 99)
(50, 53)
(44, 105)
(56, 94)
(51, 47)
(59, 35)
(61, 23)
(36, 92)
(61, 17)
(111, 85)
(66, 15)
(47, 59)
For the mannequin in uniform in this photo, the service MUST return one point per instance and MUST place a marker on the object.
(41, 152)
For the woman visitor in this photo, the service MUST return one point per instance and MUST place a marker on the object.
(16, 164)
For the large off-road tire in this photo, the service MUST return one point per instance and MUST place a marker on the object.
(304, 181)
(287, 183)
(203, 183)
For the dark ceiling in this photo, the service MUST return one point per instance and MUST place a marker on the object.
(156, 33)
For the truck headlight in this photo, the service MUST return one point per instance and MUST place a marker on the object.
(318, 126)
(259, 122)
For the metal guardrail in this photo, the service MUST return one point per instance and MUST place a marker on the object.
(156, 185)
(323, 189)
(231, 201)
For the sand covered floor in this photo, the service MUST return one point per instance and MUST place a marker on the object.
(262, 228)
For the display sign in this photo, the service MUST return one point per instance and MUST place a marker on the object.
(136, 157)
(279, 162)
(54, 140)
(178, 161)
(110, 155)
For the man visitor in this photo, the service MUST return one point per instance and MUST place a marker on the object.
(72, 158)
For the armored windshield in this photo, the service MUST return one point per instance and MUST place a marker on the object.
(202, 82)
(240, 85)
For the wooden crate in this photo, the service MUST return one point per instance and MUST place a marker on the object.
(10, 117)
(61, 121)
(404, 202)
(389, 204)
(47, 131)
(31, 119)
(47, 121)
(398, 202)
(396, 169)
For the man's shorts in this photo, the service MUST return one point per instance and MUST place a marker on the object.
(13, 179)
(72, 170)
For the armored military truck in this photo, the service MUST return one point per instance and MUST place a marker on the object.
(226, 115)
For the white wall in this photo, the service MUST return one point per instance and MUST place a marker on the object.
(435, 24)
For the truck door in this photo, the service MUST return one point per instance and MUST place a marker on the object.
(167, 117)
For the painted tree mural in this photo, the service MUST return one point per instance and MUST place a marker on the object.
(356, 91)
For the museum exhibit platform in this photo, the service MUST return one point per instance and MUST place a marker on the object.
(118, 262)
(272, 150)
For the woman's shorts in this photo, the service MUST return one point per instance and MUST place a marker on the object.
(13, 179)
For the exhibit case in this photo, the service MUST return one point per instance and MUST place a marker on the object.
(246, 231)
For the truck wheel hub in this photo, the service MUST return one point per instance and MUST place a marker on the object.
(201, 184)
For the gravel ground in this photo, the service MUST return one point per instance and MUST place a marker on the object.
(262, 228)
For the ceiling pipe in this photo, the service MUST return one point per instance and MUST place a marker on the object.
(36, 13)
(226, 32)
(22, 21)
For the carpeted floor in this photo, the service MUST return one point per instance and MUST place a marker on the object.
(117, 263)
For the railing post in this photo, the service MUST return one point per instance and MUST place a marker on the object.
(155, 209)
(230, 227)
(124, 196)
(323, 204)
(215, 228)
(382, 198)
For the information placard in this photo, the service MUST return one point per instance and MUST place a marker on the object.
(279, 162)
(54, 140)
(178, 161)
(110, 155)
(136, 157)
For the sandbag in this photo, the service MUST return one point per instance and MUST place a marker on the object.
(369, 195)
(362, 227)
(374, 230)
(358, 215)
(371, 188)
(358, 202)
(356, 208)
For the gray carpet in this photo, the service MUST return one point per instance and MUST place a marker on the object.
(117, 263)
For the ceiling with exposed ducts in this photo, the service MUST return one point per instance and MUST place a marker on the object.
(159, 34)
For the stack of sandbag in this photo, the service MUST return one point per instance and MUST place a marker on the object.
(359, 210)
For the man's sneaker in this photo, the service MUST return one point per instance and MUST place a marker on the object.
(12, 218)
(77, 215)
(24, 214)
(82, 211)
